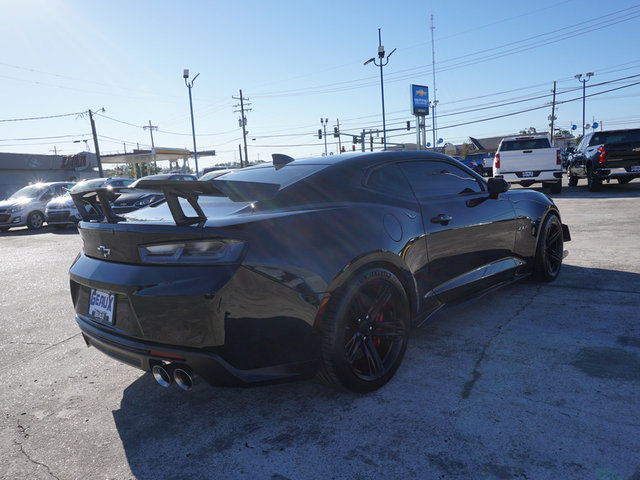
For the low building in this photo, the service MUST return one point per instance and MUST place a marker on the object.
(20, 169)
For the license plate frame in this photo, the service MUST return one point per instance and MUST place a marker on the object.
(527, 174)
(102, 306)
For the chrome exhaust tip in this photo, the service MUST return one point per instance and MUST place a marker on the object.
(183, 377)
(161, 375)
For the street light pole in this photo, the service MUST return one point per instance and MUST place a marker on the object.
(324, 122)
(587, 76)
(383, 61)
(189, 84)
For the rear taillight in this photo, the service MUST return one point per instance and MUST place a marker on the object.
(496, 161)
(558, 158)
(603, 154)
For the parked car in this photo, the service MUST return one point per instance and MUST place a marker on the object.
(61, 211)
(210, 175)
(484, 158)
(477, 165)
(302, 267)
(27, 205)
(527, 160)
(133, 199)
(602, 156)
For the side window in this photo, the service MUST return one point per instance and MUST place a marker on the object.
(389, 179)
(436, 179)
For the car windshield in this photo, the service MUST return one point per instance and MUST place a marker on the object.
(31, 191)
(262, 182)
(88, 184)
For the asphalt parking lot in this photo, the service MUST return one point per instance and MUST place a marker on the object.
(530, 382)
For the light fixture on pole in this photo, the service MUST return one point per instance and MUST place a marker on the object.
(587, 76)
(189, 84)
(324, 122)
(383, 61)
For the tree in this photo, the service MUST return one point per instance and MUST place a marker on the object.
(528, 131)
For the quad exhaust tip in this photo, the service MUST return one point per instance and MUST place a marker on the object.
(167, 374)
(162, 375)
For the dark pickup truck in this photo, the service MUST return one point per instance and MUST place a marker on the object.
(605, 155)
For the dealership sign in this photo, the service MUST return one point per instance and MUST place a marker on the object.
(419, 100)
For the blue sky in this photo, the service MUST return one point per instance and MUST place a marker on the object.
(298, 62)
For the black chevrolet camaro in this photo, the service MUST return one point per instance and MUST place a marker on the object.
(316, 266)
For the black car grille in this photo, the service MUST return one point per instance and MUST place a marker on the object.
(58, 217)
(4, 217)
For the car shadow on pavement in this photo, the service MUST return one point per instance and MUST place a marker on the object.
(305, 430)
(25, 232)
(608, 190)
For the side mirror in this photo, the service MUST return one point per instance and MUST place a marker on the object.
(497, 186)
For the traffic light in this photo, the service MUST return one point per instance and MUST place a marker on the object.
(353, 147)
(335, 132)
(320, 133)
(408, 125)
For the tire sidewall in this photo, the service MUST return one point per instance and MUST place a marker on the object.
(31, 224)
(541, 268)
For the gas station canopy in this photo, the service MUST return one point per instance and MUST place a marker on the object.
(157, 154)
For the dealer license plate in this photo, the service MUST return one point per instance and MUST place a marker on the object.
(102, 305)
(635, 168)
(527, 174)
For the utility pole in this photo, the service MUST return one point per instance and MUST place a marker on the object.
(435, 101)
(337, 134)
(95, 143)
(553, 110)
(153, 147)
(240, 150)
(243, 124)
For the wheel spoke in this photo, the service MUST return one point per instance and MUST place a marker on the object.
(556, 256)
(553, 237)
(374, 362)
(352, 347)
(382, 298)
(389, 329)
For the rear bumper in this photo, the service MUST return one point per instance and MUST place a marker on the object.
(605, 173)
(208, 365)
(531, 176)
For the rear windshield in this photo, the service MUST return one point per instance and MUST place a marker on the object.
(262, 182)
(88, 184)
(524, 144)
(628, 136)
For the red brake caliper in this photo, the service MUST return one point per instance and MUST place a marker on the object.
(376, 339)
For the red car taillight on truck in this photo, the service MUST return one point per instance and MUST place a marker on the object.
(603, 154)
(496, 161)
(558, 158)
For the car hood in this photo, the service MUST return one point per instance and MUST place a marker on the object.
(14, 202)
(134, 197)
(61, 200)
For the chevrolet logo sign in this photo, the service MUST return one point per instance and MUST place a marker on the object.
(421, 93)
(104, 251)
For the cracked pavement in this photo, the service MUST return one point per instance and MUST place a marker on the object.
(531, 381)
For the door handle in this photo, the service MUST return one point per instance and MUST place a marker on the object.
(442, 219)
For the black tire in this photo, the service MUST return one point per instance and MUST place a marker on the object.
(593, 181)
(556, 187)
(549, 251)
(364, 332)
(573, 180)
(624, 180)
(35, 220)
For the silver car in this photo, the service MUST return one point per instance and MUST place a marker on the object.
(61, 211)
(27, 205)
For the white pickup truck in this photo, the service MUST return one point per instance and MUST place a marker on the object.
(527, 160)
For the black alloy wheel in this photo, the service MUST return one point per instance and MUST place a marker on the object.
(593, 181)
(35, 220)
(364, 332)
(550, 250)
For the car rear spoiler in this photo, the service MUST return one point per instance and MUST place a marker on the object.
(99, 200)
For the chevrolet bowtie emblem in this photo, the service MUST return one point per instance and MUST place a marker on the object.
(104, 251)
(421, 93)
